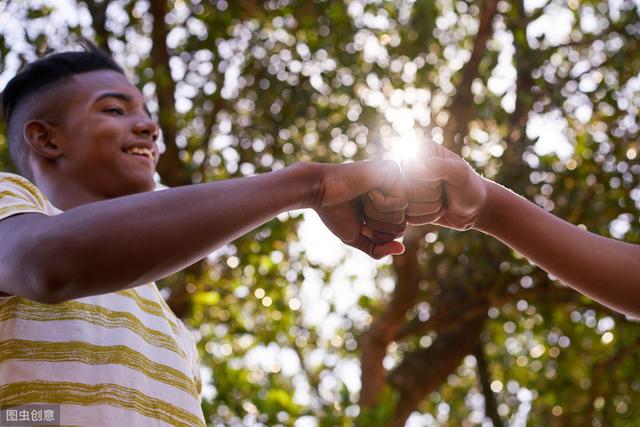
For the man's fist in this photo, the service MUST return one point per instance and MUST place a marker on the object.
(443, 189)
(363, 203)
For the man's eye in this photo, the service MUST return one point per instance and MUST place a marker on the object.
(115, 110)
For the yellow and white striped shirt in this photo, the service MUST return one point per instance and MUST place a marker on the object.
(117, 359)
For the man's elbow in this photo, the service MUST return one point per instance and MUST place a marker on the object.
(49, 294)
(52, 286)
(36, 275)
(36, 286)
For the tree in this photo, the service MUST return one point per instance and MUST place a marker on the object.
(539, 96)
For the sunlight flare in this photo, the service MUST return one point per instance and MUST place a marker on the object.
(403, 140)
(404, 148)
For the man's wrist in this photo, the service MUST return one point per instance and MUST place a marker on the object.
(487, 214)
(308, 178)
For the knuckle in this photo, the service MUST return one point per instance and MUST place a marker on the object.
(416, 220)
(423, 195)
(421, 209)
(369, 208)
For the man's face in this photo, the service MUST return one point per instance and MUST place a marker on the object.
(107, 137)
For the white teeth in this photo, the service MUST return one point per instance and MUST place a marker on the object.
(140, 151)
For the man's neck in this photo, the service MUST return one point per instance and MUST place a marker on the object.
(66, 194)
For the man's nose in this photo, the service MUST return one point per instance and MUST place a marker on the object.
(146, 127)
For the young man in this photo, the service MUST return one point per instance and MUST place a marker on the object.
(445, 190)
(82, 324)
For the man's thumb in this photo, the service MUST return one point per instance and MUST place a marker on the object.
(453, 171)
(364, 176)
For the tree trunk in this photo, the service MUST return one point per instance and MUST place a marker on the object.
(98, 11)
(422, 371)
(387, 325)
(171, 169)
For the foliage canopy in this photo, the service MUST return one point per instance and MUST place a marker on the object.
(541, 96)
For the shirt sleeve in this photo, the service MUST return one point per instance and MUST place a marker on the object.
(194, 362)
(18, 195)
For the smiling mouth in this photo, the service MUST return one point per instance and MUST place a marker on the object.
(142, 152)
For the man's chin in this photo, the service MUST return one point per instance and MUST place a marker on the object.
(141, 184)
(146, 186)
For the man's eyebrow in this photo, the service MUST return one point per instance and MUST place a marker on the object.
(123, 96)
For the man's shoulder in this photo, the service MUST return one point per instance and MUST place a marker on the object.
(19, 195)
(14, 178)
(8, 180)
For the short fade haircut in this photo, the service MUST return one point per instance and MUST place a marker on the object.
(22, 95)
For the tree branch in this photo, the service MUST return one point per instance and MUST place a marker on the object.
(98, 12)
(452, 316)
(604, 369)
(490, 405)
(170, 167)
(462, 107)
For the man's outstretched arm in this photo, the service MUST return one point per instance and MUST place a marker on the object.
(605, 269)
(124, 242)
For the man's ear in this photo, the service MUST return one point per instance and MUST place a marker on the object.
(40, 136)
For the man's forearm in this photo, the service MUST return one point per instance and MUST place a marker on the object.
(605, 269)
(105, 246)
